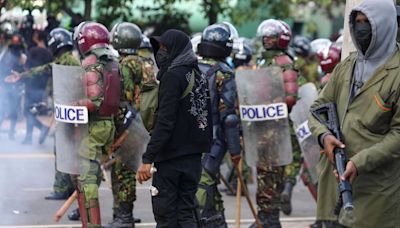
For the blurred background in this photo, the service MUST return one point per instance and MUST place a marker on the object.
(314, 19)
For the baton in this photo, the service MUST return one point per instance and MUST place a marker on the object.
(230, 188)
(61, 212)
(238, 196)
(246, 193)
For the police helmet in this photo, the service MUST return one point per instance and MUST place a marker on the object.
(59, 38)
(126, 37)
(216, 42)
(301, 46)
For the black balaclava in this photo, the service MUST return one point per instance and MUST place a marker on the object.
(177, 44)
(162, 58)
(363, 35)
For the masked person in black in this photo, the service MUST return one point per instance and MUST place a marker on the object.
(182, 132)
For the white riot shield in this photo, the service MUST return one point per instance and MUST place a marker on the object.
(135, 144)
(264, 116)
(299, 115)
(71, 119)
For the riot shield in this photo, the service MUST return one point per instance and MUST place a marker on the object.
(264, 116)
(135, 144)
(299, 115)
(71, 120)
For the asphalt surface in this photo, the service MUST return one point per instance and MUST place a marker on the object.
(27, 175)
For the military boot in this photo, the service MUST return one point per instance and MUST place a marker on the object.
(268, 219)
(74, 215)
(123, 216)
(286, 198)
(317, 224)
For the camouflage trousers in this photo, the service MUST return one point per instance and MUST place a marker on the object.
(63, 182)
(232, 177)
(269, 187)
(292, 170)
(94, 146)
(123, 182)
(208, 196)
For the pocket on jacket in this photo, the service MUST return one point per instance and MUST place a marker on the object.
(377, 116)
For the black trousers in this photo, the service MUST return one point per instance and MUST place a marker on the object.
(176, 181)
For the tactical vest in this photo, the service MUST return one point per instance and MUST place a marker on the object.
(210, 72)
(111, 89)
(109, 86)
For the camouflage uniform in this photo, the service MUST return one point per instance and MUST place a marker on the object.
(62, 181)
(123, 178)
(270, 179)
(94, 146)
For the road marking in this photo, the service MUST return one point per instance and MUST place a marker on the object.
(27, 155)
(152, 224)
(101, 189)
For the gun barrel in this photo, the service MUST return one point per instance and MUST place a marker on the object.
(347, 201)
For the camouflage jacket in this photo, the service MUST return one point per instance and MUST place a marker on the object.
(308, 70)
(132, 74)
(66, 59)
(139, 82)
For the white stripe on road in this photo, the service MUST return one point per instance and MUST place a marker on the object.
(101, 189)
(152, 224)
(27, 155)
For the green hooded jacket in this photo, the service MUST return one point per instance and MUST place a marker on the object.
(370, 123)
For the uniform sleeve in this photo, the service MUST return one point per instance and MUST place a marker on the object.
(37, 71)
(384, 151)
(166, 117)
(128, 82)
(226, 87)
(229, 118)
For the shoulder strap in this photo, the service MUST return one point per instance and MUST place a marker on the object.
(189, 87)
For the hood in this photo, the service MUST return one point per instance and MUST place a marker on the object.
(179, 49)
(382, 17)
(383, 25)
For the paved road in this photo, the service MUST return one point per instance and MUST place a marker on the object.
(26, 176)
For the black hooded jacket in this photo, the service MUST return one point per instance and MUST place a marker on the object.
(182, 125)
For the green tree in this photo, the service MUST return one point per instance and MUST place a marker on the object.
(163, 15)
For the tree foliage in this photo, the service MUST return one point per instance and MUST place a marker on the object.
(162, 14)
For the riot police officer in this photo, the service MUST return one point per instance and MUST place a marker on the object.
(126, 39)
(305, 60)
(275, 36)
(244, 53)
(328, 59)
(216, 44)
(102, 81)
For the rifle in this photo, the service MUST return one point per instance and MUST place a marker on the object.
(326, 114)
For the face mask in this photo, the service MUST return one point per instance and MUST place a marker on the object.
(162, 58)
(363, 35)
